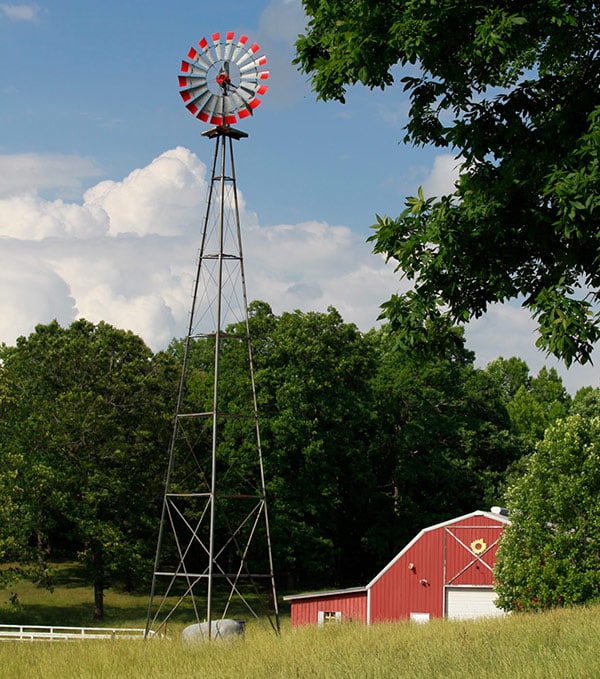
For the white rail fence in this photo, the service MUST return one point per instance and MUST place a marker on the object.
(59, 633)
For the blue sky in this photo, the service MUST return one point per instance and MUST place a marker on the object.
(103, 175)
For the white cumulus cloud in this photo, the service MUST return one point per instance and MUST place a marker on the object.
(157, 199)
(127, 255)
(26, 172)
(29, 217)
(444, 173)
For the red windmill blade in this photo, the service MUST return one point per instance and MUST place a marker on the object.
(223, 79)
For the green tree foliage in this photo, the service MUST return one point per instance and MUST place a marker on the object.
(510, 374)
(538, 403)
(586, 402)
(532, 403)
(550, 555)
(365, 439)
(312, 374)
(442, 442)
(514, 92)
(82, 447)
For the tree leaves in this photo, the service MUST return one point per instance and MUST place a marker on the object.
(549, 556)
(517, 97)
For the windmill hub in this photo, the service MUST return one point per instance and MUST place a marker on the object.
(224, 81)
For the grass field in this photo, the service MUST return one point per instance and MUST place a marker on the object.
(563, 643)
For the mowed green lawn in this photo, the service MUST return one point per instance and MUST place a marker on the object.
(562, 643)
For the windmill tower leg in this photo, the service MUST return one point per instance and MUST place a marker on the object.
(214, 558)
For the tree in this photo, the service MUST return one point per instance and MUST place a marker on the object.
(85, 442)
(537, 404)
(312, 375)
(442, 442)
(550, 555)
(510, 374)
(586, 402)
(514, 92)
(364, 441)
(532, 403)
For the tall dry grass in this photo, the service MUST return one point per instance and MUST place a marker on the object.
(564, 643)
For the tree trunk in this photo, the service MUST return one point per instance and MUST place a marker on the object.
(98, 584)
(41, 554)
(98, 599)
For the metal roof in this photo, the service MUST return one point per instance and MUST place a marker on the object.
(487, 515)
(331, 592)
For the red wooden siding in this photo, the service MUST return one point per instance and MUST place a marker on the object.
(400, 590)
(353, 607)
(459, 552)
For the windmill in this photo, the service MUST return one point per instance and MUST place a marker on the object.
(213, 557)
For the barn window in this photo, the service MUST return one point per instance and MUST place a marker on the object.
(325, 617)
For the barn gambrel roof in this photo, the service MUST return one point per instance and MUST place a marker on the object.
(490, 516)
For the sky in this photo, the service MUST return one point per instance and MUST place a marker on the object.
(103, 177)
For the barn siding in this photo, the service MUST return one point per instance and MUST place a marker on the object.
(402, 590)
(353, 607)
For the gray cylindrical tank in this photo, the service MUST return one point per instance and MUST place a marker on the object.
(219, 629)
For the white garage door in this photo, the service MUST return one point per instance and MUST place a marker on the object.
(471, 602)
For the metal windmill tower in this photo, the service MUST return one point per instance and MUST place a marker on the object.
(213, 557)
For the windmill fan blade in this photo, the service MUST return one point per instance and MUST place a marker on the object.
(193, 93)
(193, 69)
(196, 104)
(198, 58)
(255, 64)
(250, 92)
(229, 113)
(229, 46)
(250, 57)
(218, 47)
(251, 80)
(207, 51)
(208, 109)
(203, 45)
(240, 45)
(237, 101)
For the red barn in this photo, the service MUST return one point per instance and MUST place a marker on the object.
(445, 571)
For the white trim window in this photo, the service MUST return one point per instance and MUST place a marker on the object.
(327, 617)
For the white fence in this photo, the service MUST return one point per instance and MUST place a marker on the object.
(56, 633)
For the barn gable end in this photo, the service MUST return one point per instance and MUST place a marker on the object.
(458, 552)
